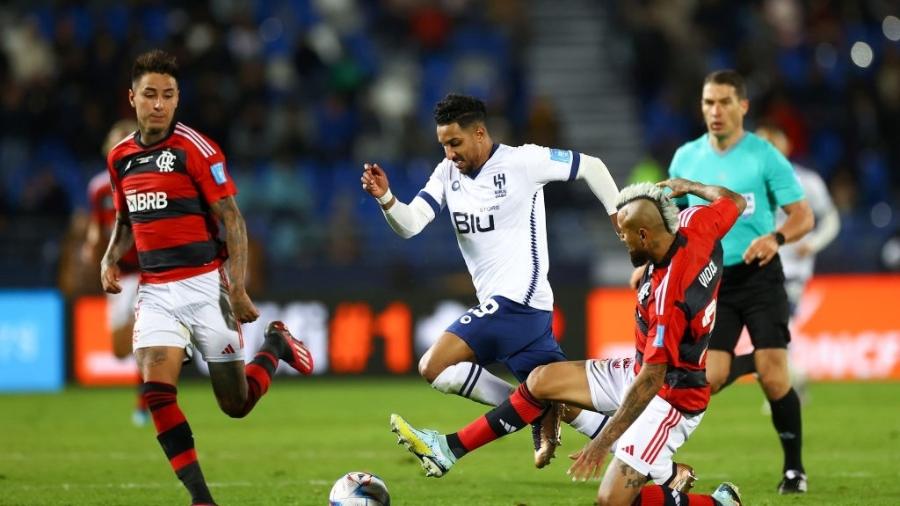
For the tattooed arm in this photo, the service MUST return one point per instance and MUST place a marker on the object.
(226, 210)
(121, 241)
(646, 385)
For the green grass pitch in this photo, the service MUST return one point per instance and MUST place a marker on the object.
(79, 448)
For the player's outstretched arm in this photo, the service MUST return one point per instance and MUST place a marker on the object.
(600, 181)
(682, 187)
(405, 220)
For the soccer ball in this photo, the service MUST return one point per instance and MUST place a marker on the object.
(359, 489)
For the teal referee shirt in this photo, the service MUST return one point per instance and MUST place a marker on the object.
(753, 168)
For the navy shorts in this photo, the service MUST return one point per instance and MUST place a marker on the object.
(518, 336)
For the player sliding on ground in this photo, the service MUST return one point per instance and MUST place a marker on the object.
(495, 197)
(170, 189)
(657, 398)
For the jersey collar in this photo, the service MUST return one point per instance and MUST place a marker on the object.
(679, 241)
(137, 136)
(474, 173)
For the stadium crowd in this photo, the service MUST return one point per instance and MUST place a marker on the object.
(296, 91)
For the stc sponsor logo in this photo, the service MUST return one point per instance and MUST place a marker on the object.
(146, 201)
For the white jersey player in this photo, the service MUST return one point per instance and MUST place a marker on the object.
(798, 258)
(494, 195)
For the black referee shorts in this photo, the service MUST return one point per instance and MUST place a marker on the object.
(754, 297)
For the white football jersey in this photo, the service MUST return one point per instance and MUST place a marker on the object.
(795, 266)
(498, 215)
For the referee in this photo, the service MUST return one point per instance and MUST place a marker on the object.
(752, 292)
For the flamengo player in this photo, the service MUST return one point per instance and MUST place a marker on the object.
(657, 398)
(170, 188)
(120, 307)
(495, 197)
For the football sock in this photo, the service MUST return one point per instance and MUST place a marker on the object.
(657, 495)
(589, 423)
(519, 410)
(259, 374)
(175, 437)
(787, 421)
(472, 381)
(740, 365)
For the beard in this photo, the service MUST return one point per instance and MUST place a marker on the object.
(638, 258)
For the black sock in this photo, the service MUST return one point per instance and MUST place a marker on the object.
(192, 477)
(740, 365)
(175, 436)
(456, 446)
(788, 424)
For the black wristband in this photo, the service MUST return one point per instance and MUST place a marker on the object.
(779, 238)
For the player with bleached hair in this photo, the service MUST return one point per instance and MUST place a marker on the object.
(495, 198)
(657, 397)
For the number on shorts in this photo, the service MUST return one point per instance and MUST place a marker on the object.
(489, 306)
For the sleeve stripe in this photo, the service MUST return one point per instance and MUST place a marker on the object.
(431, 202)
(195, 138)
(200, 148)
(662, 291)
(576, 161)
(686, 216)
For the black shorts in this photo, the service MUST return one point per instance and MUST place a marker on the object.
(754, 297)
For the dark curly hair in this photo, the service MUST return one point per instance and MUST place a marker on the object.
(154, 61)
(461, 109)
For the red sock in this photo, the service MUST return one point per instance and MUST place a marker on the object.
(657, 495)
(516, 412)
(259, 376)
(175, 437)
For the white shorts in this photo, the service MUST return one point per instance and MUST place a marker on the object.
(191, 311)
(649, 444)
(120, 306)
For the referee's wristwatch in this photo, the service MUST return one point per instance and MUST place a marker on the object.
(779, 238)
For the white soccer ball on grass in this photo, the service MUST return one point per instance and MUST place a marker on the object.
(358, 488)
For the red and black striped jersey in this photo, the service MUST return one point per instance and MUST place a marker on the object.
(676, 307)
(103, 213)
(166, 190)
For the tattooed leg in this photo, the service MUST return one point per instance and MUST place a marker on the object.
(621, 484)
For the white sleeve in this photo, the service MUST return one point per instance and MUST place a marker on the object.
(548, 164)
(598, 178)
(827, 228)
(409, 220)
(828, 221)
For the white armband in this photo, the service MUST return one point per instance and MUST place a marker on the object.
(598, 178)
(409, 220)
(384, 199)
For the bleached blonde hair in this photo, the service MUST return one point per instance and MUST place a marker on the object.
(649, 191)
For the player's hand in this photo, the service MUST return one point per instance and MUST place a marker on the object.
(762, 250)
(109, 277)
(374, 180)
(242, 307)
(588, 461)
(636, 276)
(678, 186)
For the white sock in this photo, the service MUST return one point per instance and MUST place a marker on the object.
(474, 382)
(589, 423)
